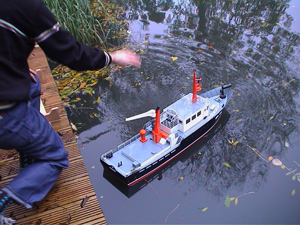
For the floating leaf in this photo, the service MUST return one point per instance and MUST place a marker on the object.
(238, 120)
(293, 171)
(270, 158)
(204, 209)
(235, 143)
(226, 164)
(297, 175)
(227, 201)
(276, 162)
(236, 201)
(293, 192)
(286, 144)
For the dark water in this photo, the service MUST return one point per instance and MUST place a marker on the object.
(254, 45)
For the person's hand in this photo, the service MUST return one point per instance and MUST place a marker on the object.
(125, 57)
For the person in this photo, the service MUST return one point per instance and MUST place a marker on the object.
(22, 127)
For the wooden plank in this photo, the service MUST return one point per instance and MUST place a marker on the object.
(63, 204)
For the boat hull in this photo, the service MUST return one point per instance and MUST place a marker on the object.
(184, 145)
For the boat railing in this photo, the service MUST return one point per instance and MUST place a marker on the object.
(129, 141)
(148, 124)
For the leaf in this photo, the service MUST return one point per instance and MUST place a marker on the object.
(97, 100)
(234, 143)
(174, 58)
(227, 201)
(272, 117)
(297, 175)
(276, 162)
(293, 192)
(38, 222)
(69, 219)
(82, 85)
(236, 201)
(226, 164)
(293, 171)
(204, 209)
(232, 198)
(286, 144)
(270, 158)
(282, 166)
(83, 202)
(238, 120)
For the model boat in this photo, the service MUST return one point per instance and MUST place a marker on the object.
(168, 134)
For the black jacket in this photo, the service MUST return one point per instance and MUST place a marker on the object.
(24, 23)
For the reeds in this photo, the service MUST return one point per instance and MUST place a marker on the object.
(77, 17)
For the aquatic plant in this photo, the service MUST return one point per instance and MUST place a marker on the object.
(92, 22)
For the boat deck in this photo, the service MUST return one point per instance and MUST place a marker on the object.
(136, 153)
(72, 199)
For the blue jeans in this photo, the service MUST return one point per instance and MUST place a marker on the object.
(25, 129)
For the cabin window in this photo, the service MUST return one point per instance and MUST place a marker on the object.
(194, 117)
(188, 120)
(199, 113)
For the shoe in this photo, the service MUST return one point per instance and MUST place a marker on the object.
(6, 221)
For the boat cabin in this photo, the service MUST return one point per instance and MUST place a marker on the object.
(183, 114)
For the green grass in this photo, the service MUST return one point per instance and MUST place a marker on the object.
(82, 19)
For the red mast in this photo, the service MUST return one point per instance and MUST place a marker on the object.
(197, 86)
(157, 133)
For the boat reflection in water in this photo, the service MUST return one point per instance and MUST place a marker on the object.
(159, 174)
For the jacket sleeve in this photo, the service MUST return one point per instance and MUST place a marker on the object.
(61, 46)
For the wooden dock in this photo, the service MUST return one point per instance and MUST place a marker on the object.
(72, 200)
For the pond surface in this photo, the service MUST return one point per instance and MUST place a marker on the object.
(226, 178)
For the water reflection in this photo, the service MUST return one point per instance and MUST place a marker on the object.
(243, 42)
